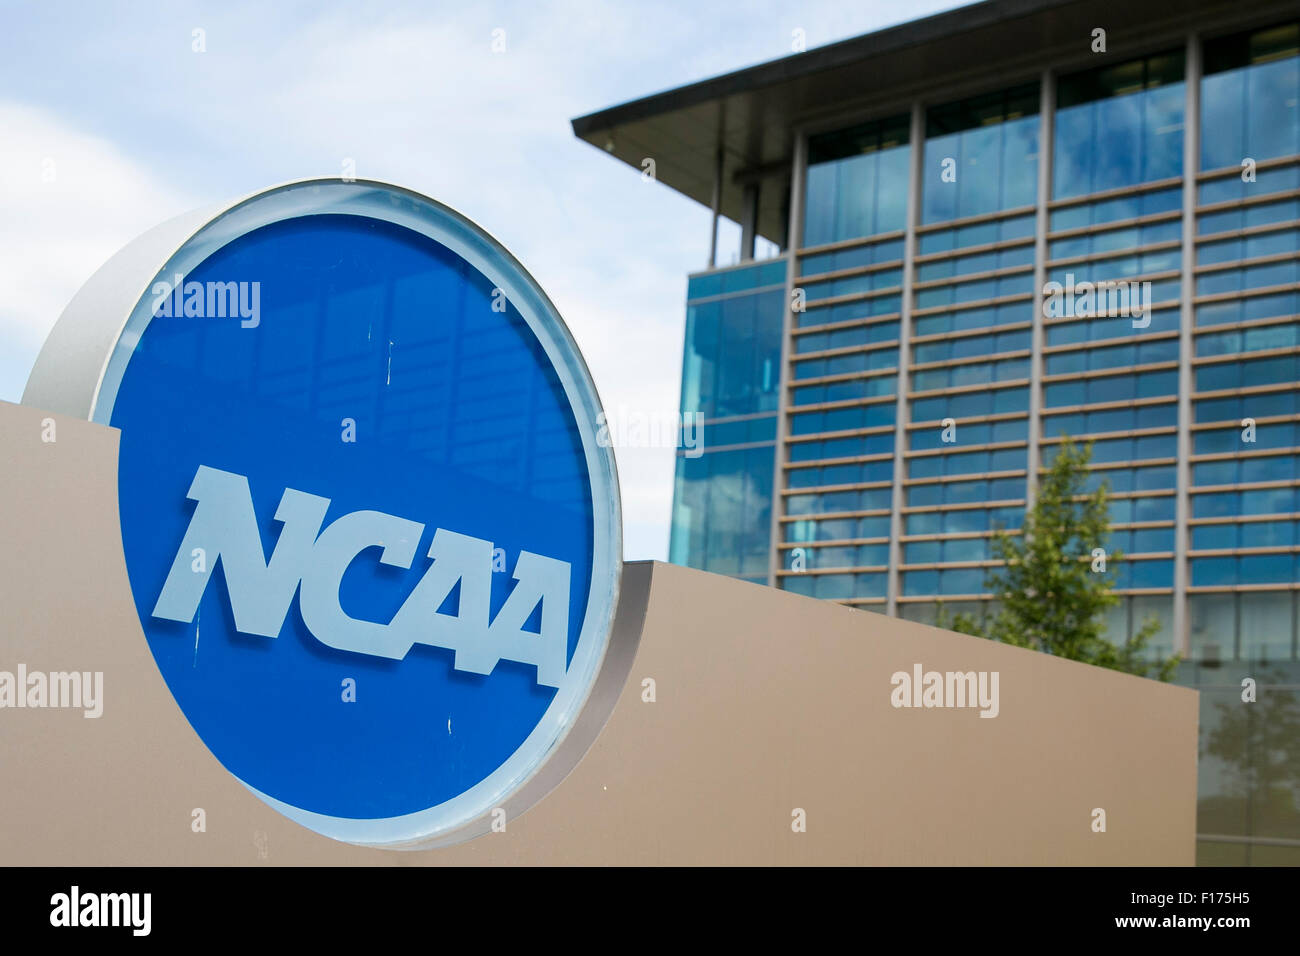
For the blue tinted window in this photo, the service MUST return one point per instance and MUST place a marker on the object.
(1135, 109)
(923, 552)
(1212, 572)
(1211, 536)
(1004, 230)
(721, 511)
(715, 434)
(731, 357)
(1266, 371)
(989, 147)
(1268, 534)
(926, 522)
(1249, 96)
(731, 367)
(921, 582)
(857, 182)
(962, 580)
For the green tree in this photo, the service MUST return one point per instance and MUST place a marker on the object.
(1054, 586)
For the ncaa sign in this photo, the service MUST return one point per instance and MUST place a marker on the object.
(372, 539)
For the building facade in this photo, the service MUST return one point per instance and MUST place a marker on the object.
(731, 377)
(929, 319)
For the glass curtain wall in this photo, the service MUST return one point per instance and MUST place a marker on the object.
(1245, 504)
(722, 497)
(1110, 371)
(837, 463)
(972, 315)
(1111, 376)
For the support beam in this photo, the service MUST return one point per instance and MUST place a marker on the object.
(748, 221)
(1187, 321)
(916, 139)
(794, 228)
(716, 205)
(1042, 224)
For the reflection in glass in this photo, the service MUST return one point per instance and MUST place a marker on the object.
(857, 182)
(1119, 126)
(990, 146)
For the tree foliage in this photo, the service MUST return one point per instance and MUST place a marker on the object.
(1054, 586)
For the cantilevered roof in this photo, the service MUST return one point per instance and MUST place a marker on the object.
(753, 111)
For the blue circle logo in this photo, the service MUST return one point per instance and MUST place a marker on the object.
(370, 533)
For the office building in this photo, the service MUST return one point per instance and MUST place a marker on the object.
(879, 395)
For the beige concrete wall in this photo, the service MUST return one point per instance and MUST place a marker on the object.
(765, 702)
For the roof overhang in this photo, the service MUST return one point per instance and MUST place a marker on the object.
(753, 113)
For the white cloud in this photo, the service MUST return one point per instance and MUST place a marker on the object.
(68, 201)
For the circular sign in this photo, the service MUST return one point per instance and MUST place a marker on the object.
(371, 535)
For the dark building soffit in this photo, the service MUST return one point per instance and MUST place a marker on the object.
(753, 111)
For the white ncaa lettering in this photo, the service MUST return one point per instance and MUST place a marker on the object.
(260, 591)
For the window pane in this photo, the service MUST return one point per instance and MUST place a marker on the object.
(1212, 626)
(1266, 625)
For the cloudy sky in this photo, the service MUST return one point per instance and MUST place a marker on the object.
(110, 122)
